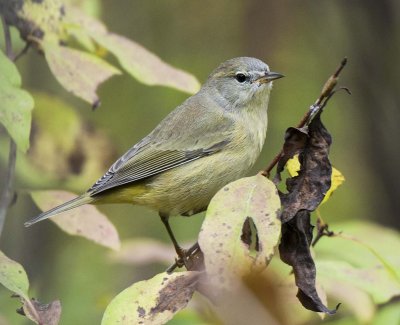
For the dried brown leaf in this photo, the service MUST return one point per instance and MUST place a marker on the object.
(308, 189)
(42, 314)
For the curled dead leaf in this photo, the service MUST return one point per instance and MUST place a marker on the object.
(42, 314)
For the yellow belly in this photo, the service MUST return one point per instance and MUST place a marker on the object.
(186, 189)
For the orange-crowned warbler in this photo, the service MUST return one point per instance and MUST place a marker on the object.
(210, 140)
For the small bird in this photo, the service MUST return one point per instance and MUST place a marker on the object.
(210, 140)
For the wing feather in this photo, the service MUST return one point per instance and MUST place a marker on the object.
(151, 163)
(169, 146)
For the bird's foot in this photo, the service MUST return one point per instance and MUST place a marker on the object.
(191, 259)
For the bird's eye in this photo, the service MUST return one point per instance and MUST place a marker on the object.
(240, 77)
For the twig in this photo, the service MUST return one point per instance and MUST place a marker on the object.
(322, 230)
(6, 195)
(7, 39)
(23, 51)
(320, 103)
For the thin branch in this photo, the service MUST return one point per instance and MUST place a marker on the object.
(7, 39)
(322, 230)
(327, 91)
(23, 51)
(6, 195)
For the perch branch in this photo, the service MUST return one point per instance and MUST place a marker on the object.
(191, 254)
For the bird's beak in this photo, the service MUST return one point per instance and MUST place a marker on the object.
(269, 76)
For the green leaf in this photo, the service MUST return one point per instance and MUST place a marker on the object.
(142, 64)
(13, 276)
(9, 72)
(360, 243)
(359, 257)
(15, 104)
(226, 255)
(375, 281)
(85, 221)
(64, 150)
(388, 315)
(78, 72)
(152, 301)
(353, 298)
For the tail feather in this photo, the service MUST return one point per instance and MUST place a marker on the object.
(76, 202)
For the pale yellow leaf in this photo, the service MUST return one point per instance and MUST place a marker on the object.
(138, 61)
(78, 72)
(153, 301)
(85, 221)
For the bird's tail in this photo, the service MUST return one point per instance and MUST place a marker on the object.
(76, 202)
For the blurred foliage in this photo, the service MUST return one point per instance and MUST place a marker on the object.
(64, 150)
(71, 147)
(16, 104)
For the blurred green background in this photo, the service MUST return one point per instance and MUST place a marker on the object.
(305, 40)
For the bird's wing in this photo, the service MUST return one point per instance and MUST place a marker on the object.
(168, 146)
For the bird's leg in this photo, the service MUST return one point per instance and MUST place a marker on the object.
(179, 250)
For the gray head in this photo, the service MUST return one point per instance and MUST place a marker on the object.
(240, 81)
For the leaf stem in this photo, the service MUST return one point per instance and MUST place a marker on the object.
(6, 194)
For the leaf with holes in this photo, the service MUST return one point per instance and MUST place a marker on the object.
(13, 276)
(153, 301)
(85, 221)
(15, 104)
(225, 234)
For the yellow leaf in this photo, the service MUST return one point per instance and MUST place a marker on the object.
(293, 166)
(337, 179)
